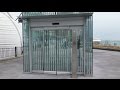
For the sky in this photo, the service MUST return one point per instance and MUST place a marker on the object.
(106, 25)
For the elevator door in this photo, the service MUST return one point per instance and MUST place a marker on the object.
(52, 49)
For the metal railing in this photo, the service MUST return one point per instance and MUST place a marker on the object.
(10, 52)
(107, 45)
(110, 43)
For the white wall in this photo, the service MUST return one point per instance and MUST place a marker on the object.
(8, 34)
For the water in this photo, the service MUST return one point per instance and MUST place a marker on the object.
(110, 42)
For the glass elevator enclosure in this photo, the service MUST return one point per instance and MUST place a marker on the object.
(58, 42)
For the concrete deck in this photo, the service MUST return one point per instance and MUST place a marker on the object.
(106, 66)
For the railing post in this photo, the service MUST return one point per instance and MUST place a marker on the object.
(15, 51)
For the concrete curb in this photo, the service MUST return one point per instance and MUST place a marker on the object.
(107, 49)
(6, 59)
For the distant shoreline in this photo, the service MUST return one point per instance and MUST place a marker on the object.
(110, 48)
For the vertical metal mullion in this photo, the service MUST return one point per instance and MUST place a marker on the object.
(71, 53)
(87, 46)
(92, 44)
(82, 38)
(80, 63)
(69, 60)
(59, 50)
(50, 48)
(63, 51)
(81, 49)
(36, 54)
(33, 58)
(30, 51)
(61, 56)
(46, 62)
(48, 52)
(43, 52)
(52, 51)
(84, 58)
(67, 50)
(56, 52)
(41, 38)
(68, 44)
(39, 50)
(86, 41)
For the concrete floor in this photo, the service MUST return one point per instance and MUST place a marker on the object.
(106, 66)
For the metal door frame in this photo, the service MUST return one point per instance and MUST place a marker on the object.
(71, 27)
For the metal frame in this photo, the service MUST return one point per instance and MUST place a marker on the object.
(87, 46)
(74, 65)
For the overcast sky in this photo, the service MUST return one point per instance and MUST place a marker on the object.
(106, 25)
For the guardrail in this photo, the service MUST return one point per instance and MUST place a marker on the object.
(10, 52)
(106, 47)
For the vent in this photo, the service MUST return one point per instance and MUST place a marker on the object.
(55, 23)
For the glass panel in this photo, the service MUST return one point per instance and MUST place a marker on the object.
(56, 47)
(26, 63)
(88, 46)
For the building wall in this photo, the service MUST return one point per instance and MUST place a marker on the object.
(8, 34)
(61, 21)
